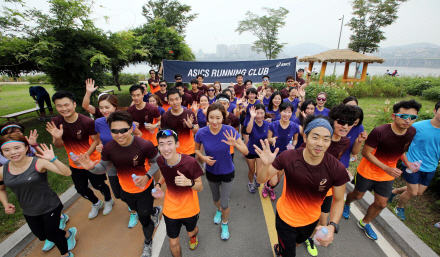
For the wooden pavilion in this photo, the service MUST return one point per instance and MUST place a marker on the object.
(341, 55)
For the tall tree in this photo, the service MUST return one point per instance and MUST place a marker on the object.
(175, 14)
(369, 17)
(265, 28)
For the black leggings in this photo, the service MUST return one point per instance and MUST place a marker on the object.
(116, 187)
(41, 100)
(47, 226)
(81, 181)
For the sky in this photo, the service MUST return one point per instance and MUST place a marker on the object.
(307, 22)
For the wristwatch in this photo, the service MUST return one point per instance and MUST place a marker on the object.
(192, 126)
(160, 185)
(192, 183)
(334, 225)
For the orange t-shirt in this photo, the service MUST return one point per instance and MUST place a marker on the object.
(186, 137)
(180, 202)
(153, 89)
(148, 114)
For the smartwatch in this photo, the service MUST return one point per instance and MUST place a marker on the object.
(192, 126)
(192, 183)
(334, 225)
(160, 185)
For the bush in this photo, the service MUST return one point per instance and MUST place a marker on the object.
(416, 86)
(379, 87)
(36, 79)
(432, 94)
(128, 79)
(335, 95)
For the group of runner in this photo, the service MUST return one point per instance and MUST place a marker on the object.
(176, 135)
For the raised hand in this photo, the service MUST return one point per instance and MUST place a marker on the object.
(47, 153)
(10, 209)
(253, 112)
(188, 121)
(261, 96)
(53, 130)
(99, 147)
(209, 160)
(245, 104)
(230, 138)
(266, 156)
(362, 136)
(32, 139)
(181, 180)
(90, 86)
(307, 70)
(86, 163)
(303, 114)
(232, 84)
(302, 92)
(195, 106)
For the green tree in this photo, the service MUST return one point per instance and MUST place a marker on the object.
(369, 17)
(175, 14)
(265, 28)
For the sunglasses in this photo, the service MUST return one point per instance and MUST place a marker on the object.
(406, 116)
(178, 78)
(290, 81)
(321, 99)
(122, 131)
(152, 73)
(343, 122)
(265, 79)
(166, 133)
(163, 85)
(211, 89)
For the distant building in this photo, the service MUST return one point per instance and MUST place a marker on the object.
(221, 51)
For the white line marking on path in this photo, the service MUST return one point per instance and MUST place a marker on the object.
(381, 241)
(159, 238)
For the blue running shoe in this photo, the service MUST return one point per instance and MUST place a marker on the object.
(63, 221)
(71, 254)
(129, 210)
(225, 232)
(255, 181)
(400, 212)
(390, 200)
(368, 230)
(71, 241)
(48, 245)
(346, 212)
(218, 217)
(133, 220)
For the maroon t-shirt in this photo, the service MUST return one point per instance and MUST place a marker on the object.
(146, 114)
(196, 96)
(301, 81)
(284, 93)
(204, 88)
(162, 96)
(186, 99)
(129, 160)
(98, 113)
(337, 149)
(232, 120)
(184, 133)
(153, 88)
(239, 90)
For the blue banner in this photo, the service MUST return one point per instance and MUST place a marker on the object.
(225, 72)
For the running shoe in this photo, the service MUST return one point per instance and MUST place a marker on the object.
(129, 210)
(437, 225)
(133, 220)
(95, 209)
(217, 217)
(276, 250)
(390, 200)
(255, 181)
(71, 254)
(400, 212)
(108, 207)
(225, 232)
(272, 194)
(48, 245)
(156, 217)
(193, 242)
(368, 230)
(251, 188)
(346, 212)
(311, 248)
(71, 241)
(146, 252)
(265, 191)
(63, 221)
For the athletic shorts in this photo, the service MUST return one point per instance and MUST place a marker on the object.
(289, 236)
(419, 177)
(382, 188)
(174, 225)
(141, 202)
(252, 156)
(243, 130)
(327, 204)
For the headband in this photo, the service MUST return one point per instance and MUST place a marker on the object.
(10, 126)
(12, 141)
(319, 122)
(222, 99)
(101, 95)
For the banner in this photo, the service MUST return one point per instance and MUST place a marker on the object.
(225, 72)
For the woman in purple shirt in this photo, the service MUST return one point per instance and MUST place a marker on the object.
(273, 109)
(155, 100)
(321, 98)
(257, 129)
(220, 171)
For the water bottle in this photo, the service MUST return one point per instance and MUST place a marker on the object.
(151, 131)
(157, 193)
(290, 146)
(321, 233)
(135, 179)
(74, 158)
(414, 165)
(352, 159)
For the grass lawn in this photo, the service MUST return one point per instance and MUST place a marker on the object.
(15, 98)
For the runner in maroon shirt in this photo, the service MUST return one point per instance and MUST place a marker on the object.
(187, 99)
(195, 92)
(202, 86)
(239, 87)
(178, 78)
(266, 81)
(162, 94)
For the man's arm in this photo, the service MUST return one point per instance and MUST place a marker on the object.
(367, 152)
(96, 141)
(86, 103)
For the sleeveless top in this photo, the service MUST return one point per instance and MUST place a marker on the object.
(32, 190)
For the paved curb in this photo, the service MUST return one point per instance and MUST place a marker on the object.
(409, 242)
(21, 238)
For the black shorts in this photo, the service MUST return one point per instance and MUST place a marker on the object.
(141, 202)
(289, 236)
(174, 225)
(193, 155)
(327, 204)
(243, 130)
(382, 188)
(219, 178)
(252, 156)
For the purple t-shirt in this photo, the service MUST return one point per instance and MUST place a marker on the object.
(201, 118)
(324, 112)
(352, 135)
(103, 129)
(248, 114)
(295, 106)
(256, 134)
(217, 149)
(277, 115)
(284, 136)
(300, 138)
(211, 100)
(266, 101)
(231, 108)
(161, 110)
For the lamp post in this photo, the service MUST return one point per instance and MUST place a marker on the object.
(339, 41)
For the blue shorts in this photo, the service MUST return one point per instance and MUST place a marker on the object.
(419, 177)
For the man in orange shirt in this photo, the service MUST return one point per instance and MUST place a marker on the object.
(74, 131)
(182, 174)
(383, 148)
(309, 174)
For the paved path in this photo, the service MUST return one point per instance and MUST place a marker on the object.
(251, 224)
